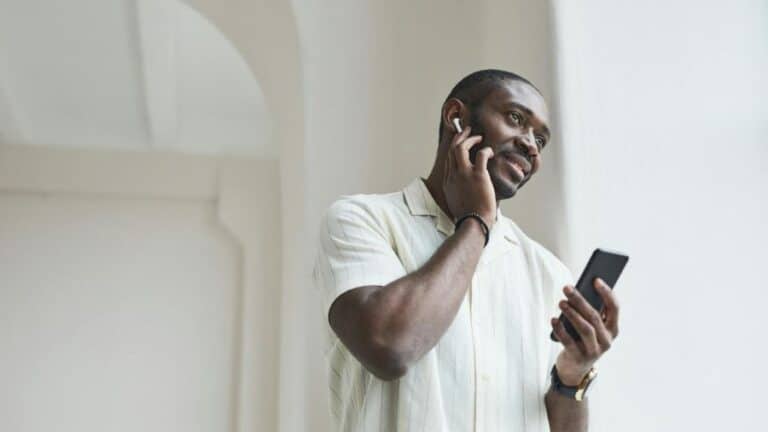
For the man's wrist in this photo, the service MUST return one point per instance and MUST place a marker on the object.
(571, 379)
(478, 221)
(474, 226)
(575, 391)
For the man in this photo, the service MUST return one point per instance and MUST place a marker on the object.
(435, 330)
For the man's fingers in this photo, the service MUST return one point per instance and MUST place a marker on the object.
(562, 335)
(461, 136)
(610, 306)
(461, 152)
(584, 328)
(591, 315)
(481, 161)
(450, 156)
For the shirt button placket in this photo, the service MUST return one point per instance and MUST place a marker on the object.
(481, 377)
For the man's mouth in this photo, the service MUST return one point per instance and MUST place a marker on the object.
(519, 165)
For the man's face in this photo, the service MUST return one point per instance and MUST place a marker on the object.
(514, 121)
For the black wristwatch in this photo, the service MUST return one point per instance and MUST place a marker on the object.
(574, 392)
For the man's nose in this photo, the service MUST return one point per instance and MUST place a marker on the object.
(529, 140)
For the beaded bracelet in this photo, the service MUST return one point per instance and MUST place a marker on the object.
(479, 218)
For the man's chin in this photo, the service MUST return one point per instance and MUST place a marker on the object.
(504, 188)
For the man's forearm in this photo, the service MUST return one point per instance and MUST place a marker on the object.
(566, 414)
(412, 313)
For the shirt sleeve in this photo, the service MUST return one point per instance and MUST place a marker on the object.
(354, 251)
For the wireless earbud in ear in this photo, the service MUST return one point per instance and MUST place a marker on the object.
(457, 124)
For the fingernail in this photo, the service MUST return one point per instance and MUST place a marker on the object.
(568, 290)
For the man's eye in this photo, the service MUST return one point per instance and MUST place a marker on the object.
(517, 118)
(540, 141)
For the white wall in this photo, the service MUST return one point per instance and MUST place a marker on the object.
(138, 291)
(154, 77)
(112, 308)
(665, 124)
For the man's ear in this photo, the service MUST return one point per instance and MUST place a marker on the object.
(453, 108)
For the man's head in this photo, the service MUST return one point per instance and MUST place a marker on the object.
(511, 116)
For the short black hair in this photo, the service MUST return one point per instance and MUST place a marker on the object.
(473, 88)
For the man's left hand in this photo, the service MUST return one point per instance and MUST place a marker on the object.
(597, 329)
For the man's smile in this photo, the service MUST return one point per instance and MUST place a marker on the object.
(518, 164)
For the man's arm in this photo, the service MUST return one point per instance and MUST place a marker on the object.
(389, 327)
(566, 414)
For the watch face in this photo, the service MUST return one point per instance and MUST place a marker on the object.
(590, 377)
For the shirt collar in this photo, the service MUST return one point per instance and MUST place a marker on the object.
(421, 203)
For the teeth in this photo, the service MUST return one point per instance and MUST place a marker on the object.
(519, 167)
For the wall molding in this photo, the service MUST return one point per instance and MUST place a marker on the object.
(245, 192)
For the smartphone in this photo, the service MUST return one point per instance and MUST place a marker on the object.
(603, 264)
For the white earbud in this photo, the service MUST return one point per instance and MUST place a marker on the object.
(457, 124)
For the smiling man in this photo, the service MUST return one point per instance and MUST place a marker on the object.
(439, 307)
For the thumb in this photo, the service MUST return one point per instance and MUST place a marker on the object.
(482, 158)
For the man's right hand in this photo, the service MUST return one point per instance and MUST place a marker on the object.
(467, 187)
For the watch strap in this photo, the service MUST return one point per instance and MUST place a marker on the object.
(574, 392)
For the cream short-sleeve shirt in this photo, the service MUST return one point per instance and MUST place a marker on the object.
(490, 370)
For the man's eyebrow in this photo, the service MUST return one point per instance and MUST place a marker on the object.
(529, 113)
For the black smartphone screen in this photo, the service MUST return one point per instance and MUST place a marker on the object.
(603, 264)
